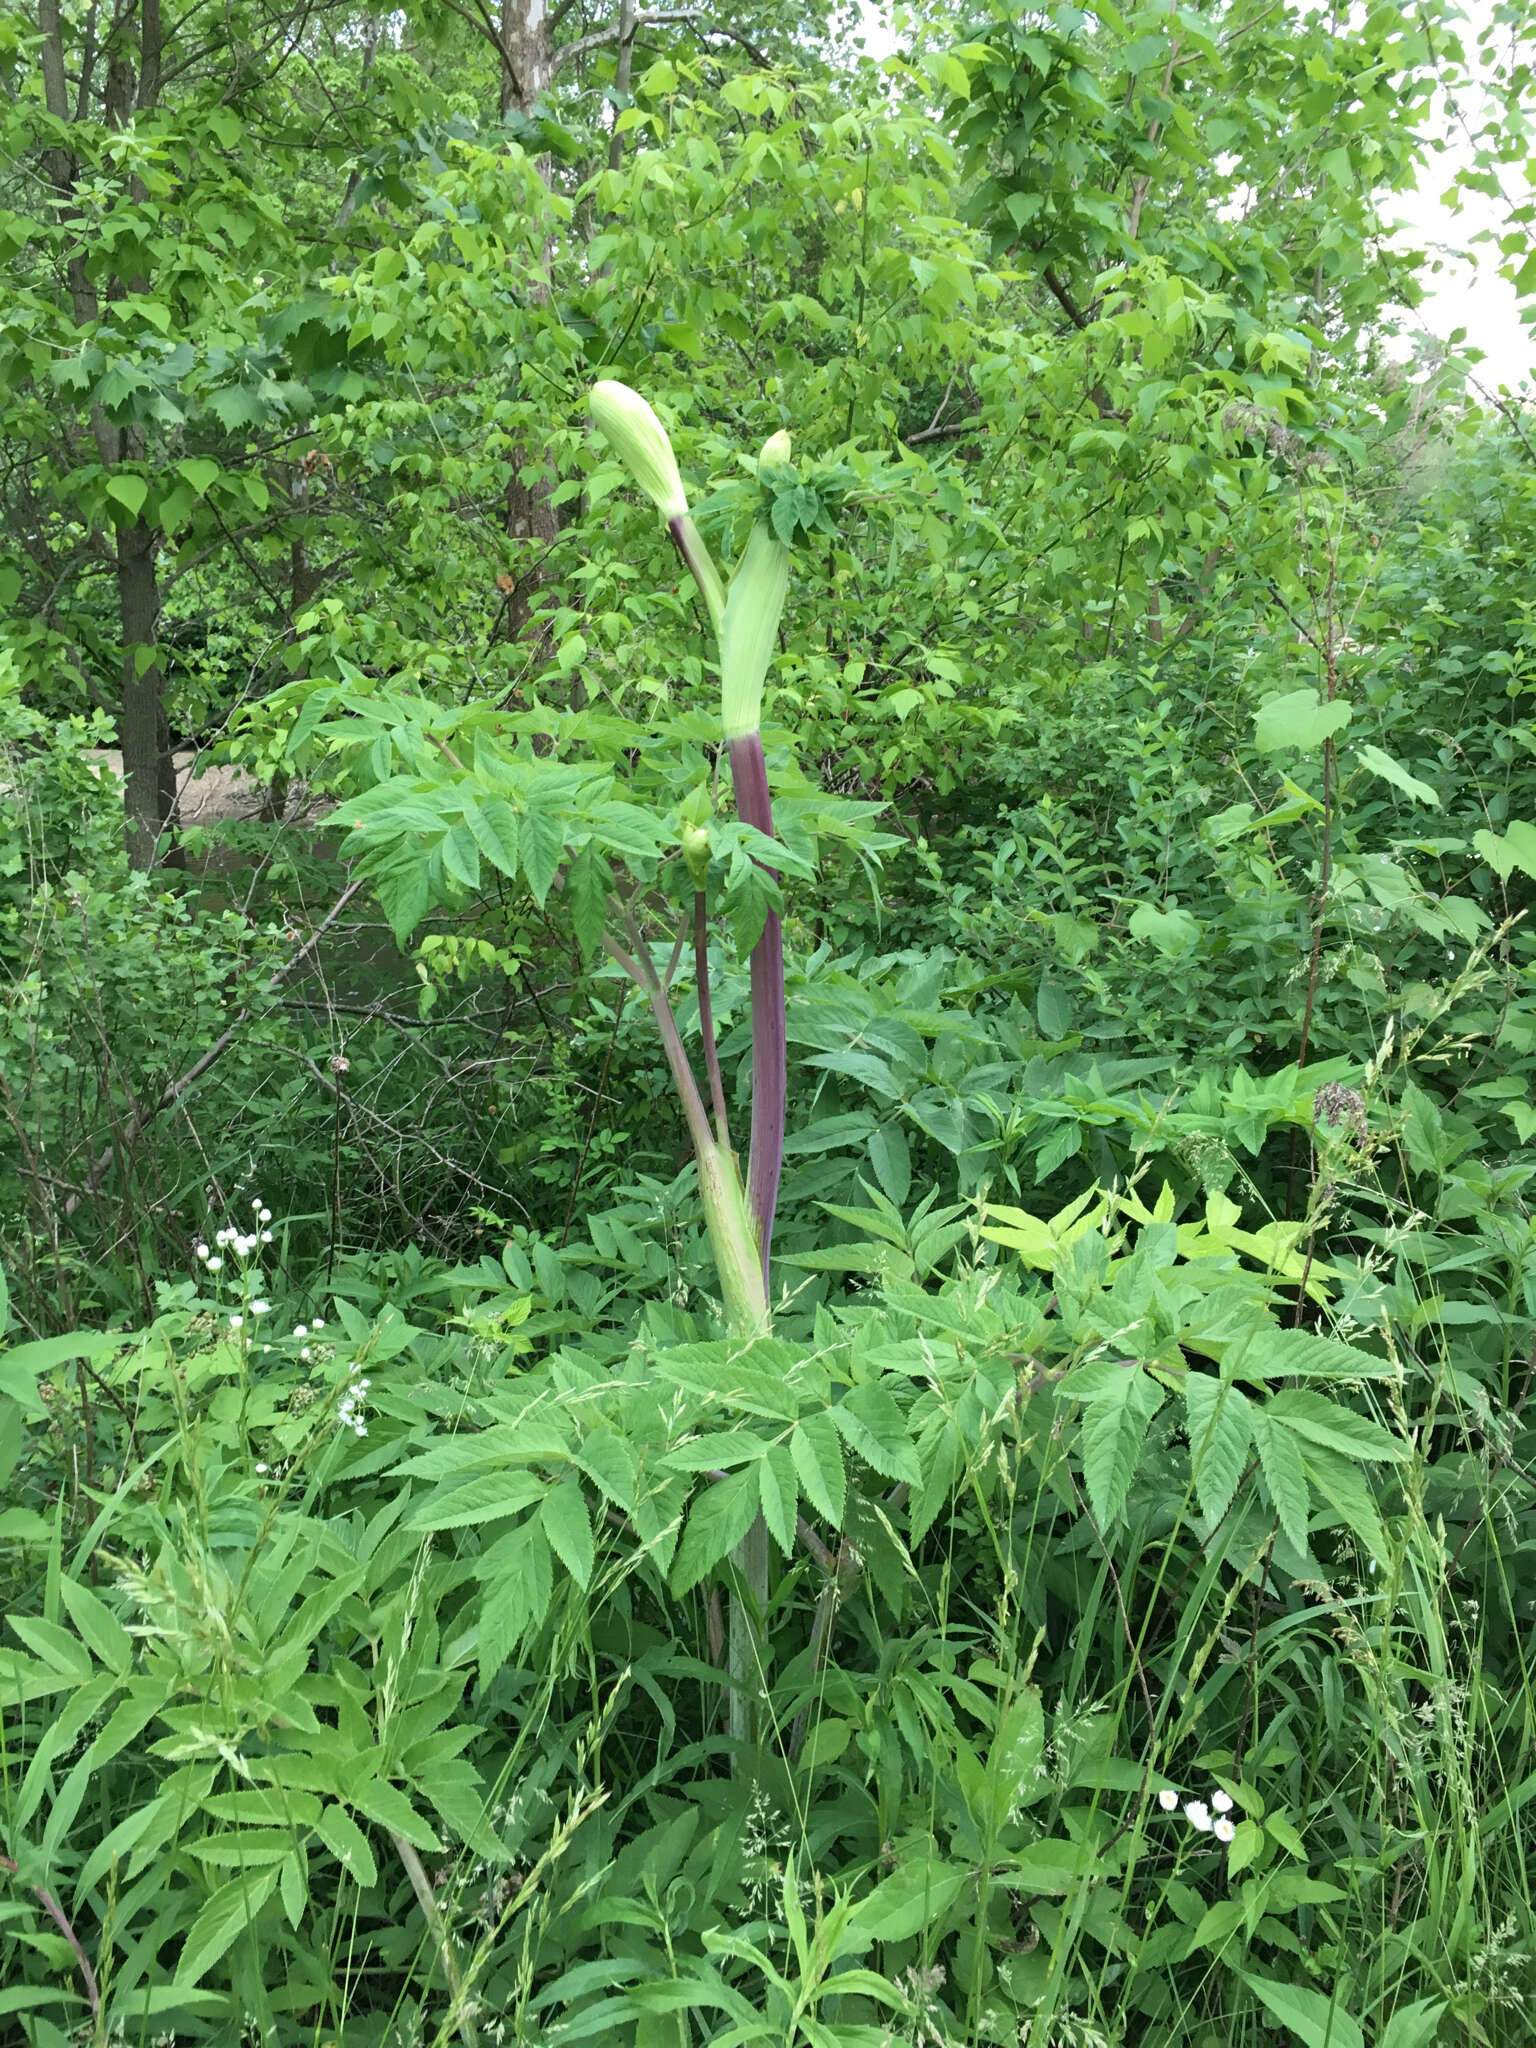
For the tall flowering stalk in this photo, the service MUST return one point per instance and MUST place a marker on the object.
(746, 622)
(745, 619)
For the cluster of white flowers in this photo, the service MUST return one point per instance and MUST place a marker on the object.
(1198, 1812)
(353, 1406)
(241, 1242)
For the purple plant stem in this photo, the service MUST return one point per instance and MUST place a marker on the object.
(706, 1014)
(56, 1913)
(770, 1063)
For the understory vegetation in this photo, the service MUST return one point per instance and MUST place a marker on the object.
(792, 1303)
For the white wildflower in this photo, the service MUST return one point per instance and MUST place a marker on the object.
(237, 1322)
(1168, 1799)
(261, 1308)
(1198, 1814)
(215, 1265)
(301, 1329)
(1222, 1801)
(1223, 1829)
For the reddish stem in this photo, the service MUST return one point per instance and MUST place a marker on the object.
(770, 1061)
(56, 1913)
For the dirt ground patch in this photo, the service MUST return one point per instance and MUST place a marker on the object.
(209, 794)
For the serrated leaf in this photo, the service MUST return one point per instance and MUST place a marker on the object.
(494, 825)
(605, 1456)
(567, 1524)
(1220, 1432)
(484, 1499)
(720, 1516)
(388, 1805)
(779, 1494)
(1284, 1475)
(818, 1460)
(874, 1429)
(1114, 1427)
(461, 856)
(220, 1923)
(541, 843)
(1277, 1354)
(719, 1449)
(348, 1844)
(1343, 1488)
(1335, 1427)
(585, 896)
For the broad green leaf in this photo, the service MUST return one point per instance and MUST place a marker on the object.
(1220, 1432)
(1014, 1776)
(720, 1516)
(825, 1743)
(1316, 2021)
(1394, 772)
(1114, 1427)
(567, 1524)
(818, 1460)
(128, 491)
(1412, 2026)
(1173, 932)
(1299, 719)
(914, 1898)
(1516, 849)
(225, 1917)
(98, 1625)
(1049, 1866)
(200, 473)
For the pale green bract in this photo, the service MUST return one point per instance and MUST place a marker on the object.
(749, 630)
(632, 430)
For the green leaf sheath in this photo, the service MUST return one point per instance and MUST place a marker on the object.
(770, 1075)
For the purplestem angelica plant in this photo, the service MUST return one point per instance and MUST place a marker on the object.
(746, 621)
(745, 618)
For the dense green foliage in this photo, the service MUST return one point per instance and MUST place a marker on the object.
(1139, 1637)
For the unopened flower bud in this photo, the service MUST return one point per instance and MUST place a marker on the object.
(638, 438)
(695, 844)
(775, 451)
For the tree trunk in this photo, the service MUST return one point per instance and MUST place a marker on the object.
(528, 67)
(148, 767)
(528, 54)
(138, 602)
